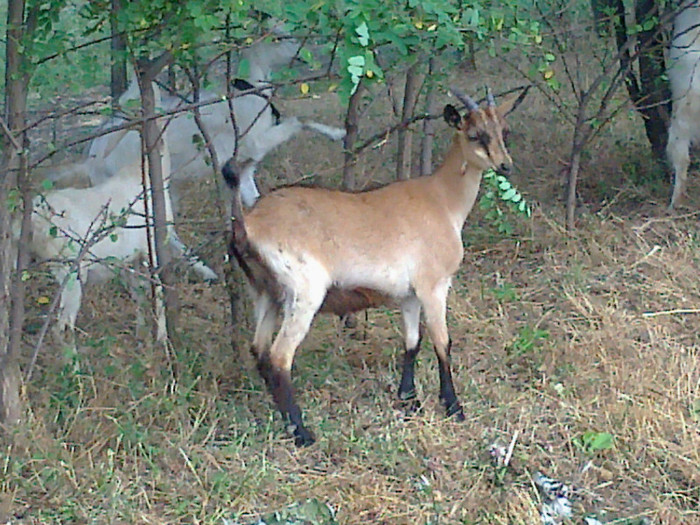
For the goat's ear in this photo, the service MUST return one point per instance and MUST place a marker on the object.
(511, 103)
(452, 116)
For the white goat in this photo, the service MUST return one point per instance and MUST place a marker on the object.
(96, 170)
(111, 217)
(684, 77)
(256, 125)
(305, 250)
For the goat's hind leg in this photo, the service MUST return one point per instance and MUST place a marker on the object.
(678, 152)
(266, 312)
(276, 366)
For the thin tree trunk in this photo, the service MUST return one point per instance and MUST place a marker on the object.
(152, 138)
(571, 198)
(650, 93)
(16, 82)
(405, 135)
(427, 144)
(118, 48)
(351, 129)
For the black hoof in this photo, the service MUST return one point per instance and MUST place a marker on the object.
(409, 403)
(302, 437)
(455, 410)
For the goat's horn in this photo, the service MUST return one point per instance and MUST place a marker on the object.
(489, 97)
(465, 99)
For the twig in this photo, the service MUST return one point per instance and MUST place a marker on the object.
(509, 454)
(9, 134)
(672, 312)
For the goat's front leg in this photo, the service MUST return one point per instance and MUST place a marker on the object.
(435, 307)
(412, 337)
(69, 306)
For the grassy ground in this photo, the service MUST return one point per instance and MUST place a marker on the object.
(558, 341)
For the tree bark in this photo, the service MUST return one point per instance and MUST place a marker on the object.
(405, 135)
(146, 72)
(16, 82)
(351, 128)
(427, 144)
(650, 92)
(118, 49)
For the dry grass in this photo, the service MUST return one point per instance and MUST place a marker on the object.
(554, 336)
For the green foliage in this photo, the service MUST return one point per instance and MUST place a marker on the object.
(591, 442)
(529, 339)
(499, 197)
(505, 293)
(309, 512)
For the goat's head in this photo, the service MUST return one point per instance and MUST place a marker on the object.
(266, 57)
(482, 131)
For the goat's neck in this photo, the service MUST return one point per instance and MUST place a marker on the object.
(459, 183)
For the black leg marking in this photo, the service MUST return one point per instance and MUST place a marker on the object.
(279, 382)
(448, 398)
(407, 387)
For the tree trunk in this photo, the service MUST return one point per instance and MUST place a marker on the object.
(152, 139)
(16, 82)
(405, 135)
(118, 48)
(351, 128)
(427, 144)
(650, 92)
(656, 93)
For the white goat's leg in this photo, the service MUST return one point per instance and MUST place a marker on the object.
(260, 144)
(161, 323)
(331, 132)
(677, 150)
(69, 305)
(181, 250)
(138, 289)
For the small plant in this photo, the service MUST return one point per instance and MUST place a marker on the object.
(505, 293)
(591, 442)
(499, 196)
(309, 512)
(528, 339)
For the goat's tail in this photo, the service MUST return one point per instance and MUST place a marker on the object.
(238, 245)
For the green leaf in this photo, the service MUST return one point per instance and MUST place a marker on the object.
(508, 195)
(363, 34)
(358, 60)
(355, 71)
(46, 184)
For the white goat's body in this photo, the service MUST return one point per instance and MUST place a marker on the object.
(110, 217)
(684, 77)
(256, 130)
(62, 218)
(306, 250)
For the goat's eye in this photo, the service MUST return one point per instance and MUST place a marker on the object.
(473, 137)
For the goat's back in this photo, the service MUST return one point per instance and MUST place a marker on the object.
(402, 223)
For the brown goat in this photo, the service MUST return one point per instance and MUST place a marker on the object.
(306, 250)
